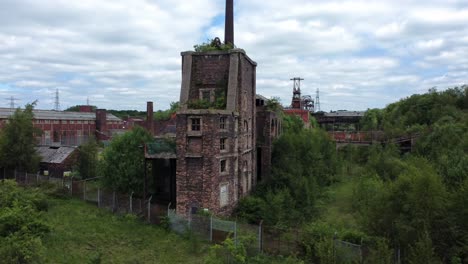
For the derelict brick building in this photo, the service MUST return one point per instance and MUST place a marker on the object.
(63, 128)
(215, 147)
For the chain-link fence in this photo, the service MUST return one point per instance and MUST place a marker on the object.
(256, 238)
(210, 228)
(346, 252)
(92, 192)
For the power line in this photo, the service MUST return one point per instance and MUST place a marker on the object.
(12, 101)
(57, 101)
(317, 101)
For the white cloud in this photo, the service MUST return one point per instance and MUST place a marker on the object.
(392, 30)
(122, 53)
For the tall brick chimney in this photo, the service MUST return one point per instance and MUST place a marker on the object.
(229, 23)
(149, 117)
(101, 120)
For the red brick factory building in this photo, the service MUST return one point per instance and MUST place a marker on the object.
(63, 128)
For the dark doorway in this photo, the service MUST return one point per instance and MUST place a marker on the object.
(162, 183)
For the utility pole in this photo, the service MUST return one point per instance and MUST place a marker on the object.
(12, 101)
(317, 101)
(57, 102)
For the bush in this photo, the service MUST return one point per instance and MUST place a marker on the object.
(21, 248)
(21, 227)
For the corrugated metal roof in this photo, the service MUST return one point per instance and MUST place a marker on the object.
(58, 115)
(346, 113)
(54, 154)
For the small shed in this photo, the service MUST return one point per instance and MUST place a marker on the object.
(57, 159)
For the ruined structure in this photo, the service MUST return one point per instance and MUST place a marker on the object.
(215, 134)
(268, 127)
(215, 150)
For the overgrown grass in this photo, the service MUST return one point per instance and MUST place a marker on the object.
(337, 205)
(82, 233)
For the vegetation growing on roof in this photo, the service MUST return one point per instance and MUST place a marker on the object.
(163, 115)
(218, 103)
(212, 45)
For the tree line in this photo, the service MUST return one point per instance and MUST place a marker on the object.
(414, 203)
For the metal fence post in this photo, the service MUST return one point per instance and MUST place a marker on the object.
(37, 178)
(131, 203)
(235, 232)
(84, 190)
(211, 228)
(71, 186)
(360, 252)
(99, 197)
(260, 237)
(149, 209)
(113, 201)
(26, 178)
(15, 175)
(334, 247)
(190, 221)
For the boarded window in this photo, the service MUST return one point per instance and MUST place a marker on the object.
(194, 179)
(194, 145)
(223, 195)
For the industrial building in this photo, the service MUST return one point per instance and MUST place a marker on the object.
(63, 128)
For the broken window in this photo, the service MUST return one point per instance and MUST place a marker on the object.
(222, 123)
(206, 95)
(222, 144)
(195, 124)
(223, 166)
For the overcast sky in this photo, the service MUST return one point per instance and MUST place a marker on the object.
(122, 53)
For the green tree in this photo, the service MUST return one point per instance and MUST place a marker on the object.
(303, 162)
(371, 120)
(18, 141)
(122, 165)
(88, 159)
(400, 210)
(76, 108)
(292, 123)
(166, 114)
(422, 251)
